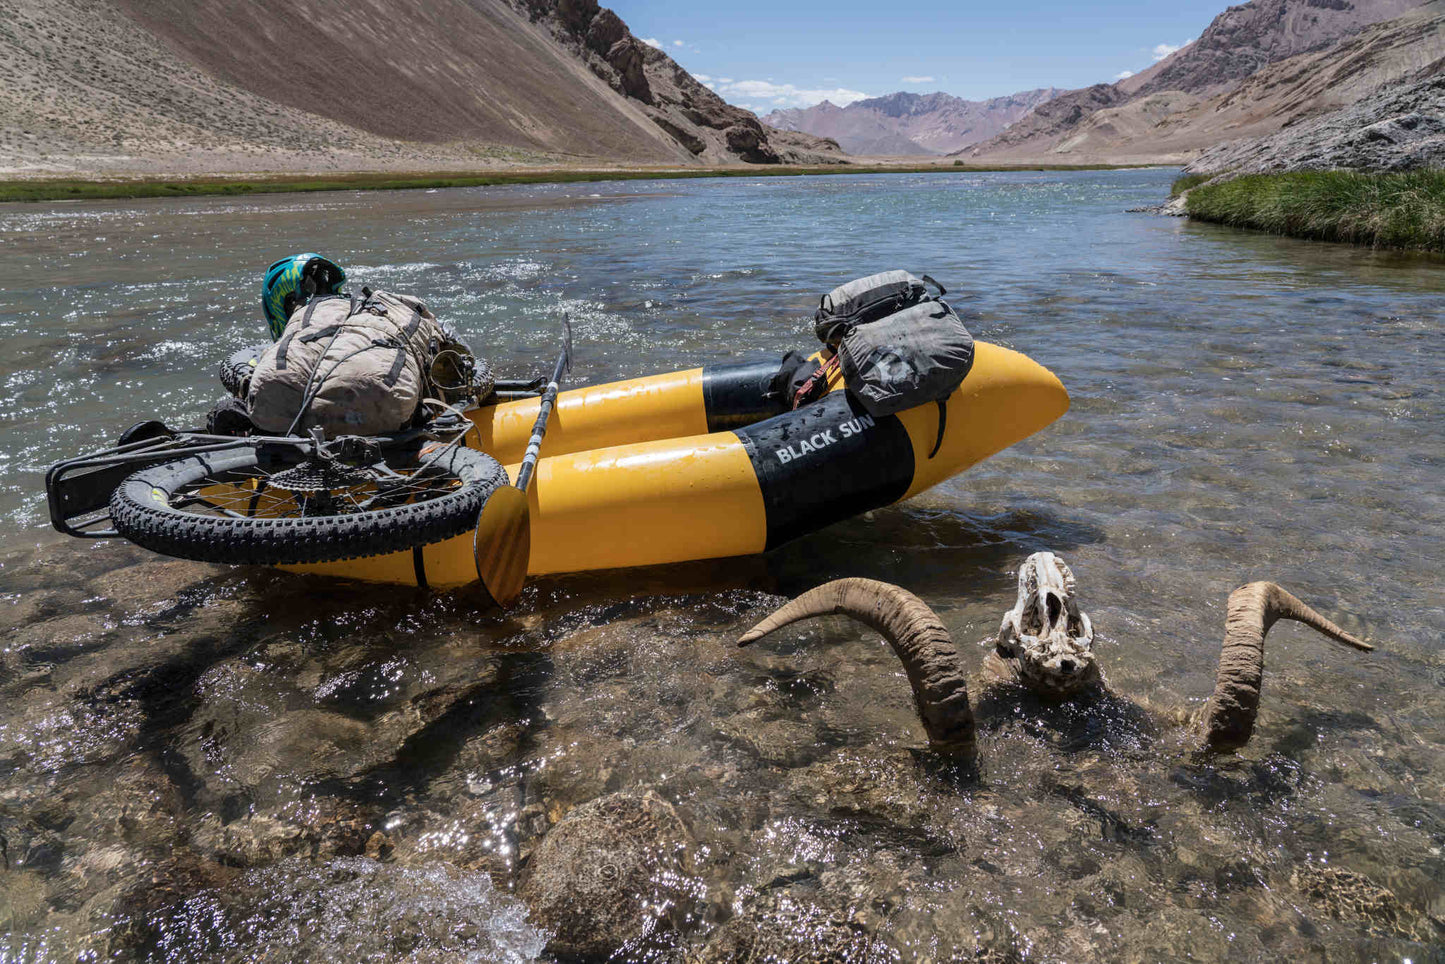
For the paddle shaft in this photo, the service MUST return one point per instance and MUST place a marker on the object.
(539, 427)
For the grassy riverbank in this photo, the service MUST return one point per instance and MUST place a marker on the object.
(1187, 182)
(87, 189)
(1405, 210)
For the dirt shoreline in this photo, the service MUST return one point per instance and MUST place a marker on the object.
(118, 186)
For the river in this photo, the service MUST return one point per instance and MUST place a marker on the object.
(202, 763)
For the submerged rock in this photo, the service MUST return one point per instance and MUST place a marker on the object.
(346, 909)
(1355, 899)
(788, 927)
(319, 827)
(152, 581)
(608, 873)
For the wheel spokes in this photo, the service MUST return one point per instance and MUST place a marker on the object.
(259, 494)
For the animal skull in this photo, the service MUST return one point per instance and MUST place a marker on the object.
(1046, 643)
(1046, 637)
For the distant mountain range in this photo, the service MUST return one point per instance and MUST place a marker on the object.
(905, 123)
(1257, 68)
(212, 86)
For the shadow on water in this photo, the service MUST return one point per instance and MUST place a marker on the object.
(1097, 720)
(934, 552)
(513, 695)
(166, 695)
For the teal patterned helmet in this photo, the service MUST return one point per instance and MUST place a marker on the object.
(293, 281)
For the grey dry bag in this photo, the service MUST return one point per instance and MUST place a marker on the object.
(898, 345)
(868, 299)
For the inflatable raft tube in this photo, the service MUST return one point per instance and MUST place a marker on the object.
(701, 464)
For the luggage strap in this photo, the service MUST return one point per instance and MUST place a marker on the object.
(285, 342)
(942, 404)
(819, 379)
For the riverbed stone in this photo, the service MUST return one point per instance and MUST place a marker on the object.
(72, 632)
(143, 913)
(317, 827)
(608, 873)
(875, 786)
(793, 927)
(23, 608)
(143, 586)
(1356, 899)
(779, 742)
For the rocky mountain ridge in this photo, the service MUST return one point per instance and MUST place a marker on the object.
(1151, 110)
(1397, 128)
(905, 123)
(699, 120)
(1279, 97)
(1249, 36)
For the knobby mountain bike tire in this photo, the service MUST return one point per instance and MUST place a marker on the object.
(237, 369)
(229, 507)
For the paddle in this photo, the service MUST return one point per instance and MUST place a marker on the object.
(503, 541)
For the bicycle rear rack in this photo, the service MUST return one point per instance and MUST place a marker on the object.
(78, 490)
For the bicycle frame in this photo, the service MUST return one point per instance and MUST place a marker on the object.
(78, 490)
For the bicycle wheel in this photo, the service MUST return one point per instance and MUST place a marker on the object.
(277, 506)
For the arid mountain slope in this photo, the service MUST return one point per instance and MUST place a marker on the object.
(694, 116)
(1275, 97)
(1237, 44)
(905, 123)
(1247, 37)
(85, 87)
(210, 85)
(417, 70)
(1396, 128)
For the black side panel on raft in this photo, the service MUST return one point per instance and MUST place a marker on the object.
(741, 394)
(827, 461)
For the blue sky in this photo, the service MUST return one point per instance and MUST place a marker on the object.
(794, 53)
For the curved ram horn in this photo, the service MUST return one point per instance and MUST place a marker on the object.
(929, 657)
(1253, 609)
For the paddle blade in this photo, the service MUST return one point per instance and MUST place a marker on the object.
(503, 544)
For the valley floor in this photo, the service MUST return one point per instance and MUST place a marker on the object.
(96, 187)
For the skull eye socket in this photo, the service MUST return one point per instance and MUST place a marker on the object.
(1055, 607)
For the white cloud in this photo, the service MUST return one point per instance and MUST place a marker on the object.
(678, 43)
(652, 42)
(702, 77)
(916, 80)
(1159, 52)
(725, 80)
(742, 92)
(1164, 50)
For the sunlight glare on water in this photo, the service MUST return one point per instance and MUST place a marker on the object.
(247, 764)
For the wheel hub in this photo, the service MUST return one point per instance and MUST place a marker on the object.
(316, 476)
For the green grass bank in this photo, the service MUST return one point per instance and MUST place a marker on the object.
(91, 189)
(1405, 210)
(1186, 182)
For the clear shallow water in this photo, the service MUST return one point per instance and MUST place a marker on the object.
(194, 760)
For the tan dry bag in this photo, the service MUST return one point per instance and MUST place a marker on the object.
(354, 364)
